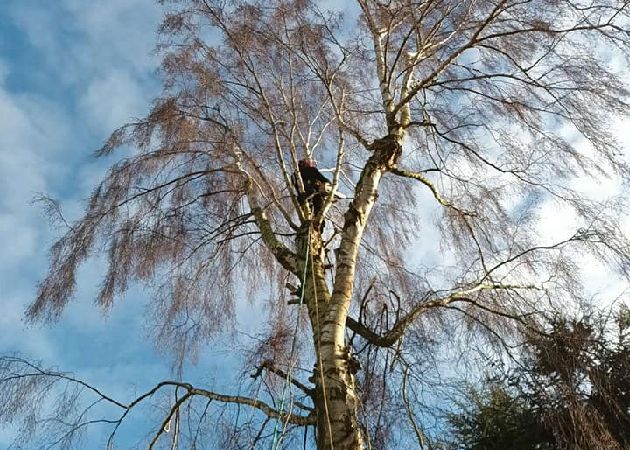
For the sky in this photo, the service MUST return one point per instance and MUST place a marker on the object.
(71, 71)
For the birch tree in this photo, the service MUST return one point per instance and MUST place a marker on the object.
(446, 124)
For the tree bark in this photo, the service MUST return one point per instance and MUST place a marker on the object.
(338, 425)
(336, 402)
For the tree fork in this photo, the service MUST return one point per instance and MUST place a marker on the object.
(334, 395)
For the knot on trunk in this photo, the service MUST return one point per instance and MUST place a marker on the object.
(387, 150)
(353, 365)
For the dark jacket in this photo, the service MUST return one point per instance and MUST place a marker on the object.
(314, 186)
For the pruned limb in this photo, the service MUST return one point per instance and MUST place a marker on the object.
(14, 369)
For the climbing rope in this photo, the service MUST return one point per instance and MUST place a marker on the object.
(277, 437)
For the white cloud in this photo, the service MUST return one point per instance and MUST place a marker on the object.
(117, 29)
(24, 165)
(21, 243)
(95, 71)
(31, 134)
(598, 188)
(102, 48)
(113, 100)
(79, 39)
(101, 53)
(16, 335)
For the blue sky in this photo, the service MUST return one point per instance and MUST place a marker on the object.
(71, 71)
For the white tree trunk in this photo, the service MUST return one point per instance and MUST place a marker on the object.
(338, 425)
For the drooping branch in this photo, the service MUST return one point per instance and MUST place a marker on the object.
(9, 361)
(255, 403)
(16, 369)
(422, 179)
(420, 435)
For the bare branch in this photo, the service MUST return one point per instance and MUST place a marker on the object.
(399, 328)
(268, 365)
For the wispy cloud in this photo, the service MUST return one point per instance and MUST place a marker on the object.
(94, 70)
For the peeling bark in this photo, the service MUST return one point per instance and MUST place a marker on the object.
(336, 399)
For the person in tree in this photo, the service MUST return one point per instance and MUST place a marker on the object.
(316, 186)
